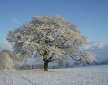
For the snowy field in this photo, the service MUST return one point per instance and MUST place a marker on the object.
(92, 75)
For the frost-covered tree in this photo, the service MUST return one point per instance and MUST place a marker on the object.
(6, 62)
(51, 37)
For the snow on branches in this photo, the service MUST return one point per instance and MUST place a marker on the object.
(49, 36)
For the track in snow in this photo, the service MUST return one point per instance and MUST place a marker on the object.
(95, 75)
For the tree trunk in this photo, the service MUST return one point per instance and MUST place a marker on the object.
(45, 61)
(45, 66)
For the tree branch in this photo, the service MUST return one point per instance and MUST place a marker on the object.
(75, 59)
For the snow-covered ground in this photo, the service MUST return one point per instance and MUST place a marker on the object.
(92, 75)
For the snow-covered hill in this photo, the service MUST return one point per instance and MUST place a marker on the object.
(92, 75)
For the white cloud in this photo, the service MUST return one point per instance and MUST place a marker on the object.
(95, 45)
(102, 45)
(5, 45)
(15, 21)
(99, 49)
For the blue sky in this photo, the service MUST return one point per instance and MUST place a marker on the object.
(90, 16)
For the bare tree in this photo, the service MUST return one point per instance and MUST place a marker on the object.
(49, 36)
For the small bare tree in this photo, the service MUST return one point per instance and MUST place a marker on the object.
(51, 37)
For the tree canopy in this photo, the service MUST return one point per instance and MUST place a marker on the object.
(51, 37)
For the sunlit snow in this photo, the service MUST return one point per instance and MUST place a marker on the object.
(91, 75)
